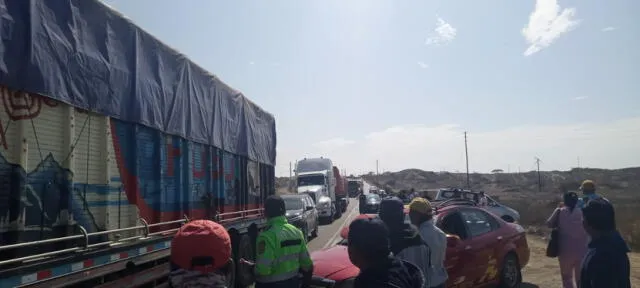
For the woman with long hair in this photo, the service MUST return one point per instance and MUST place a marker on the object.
(573, 239)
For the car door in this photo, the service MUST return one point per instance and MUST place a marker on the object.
(483, 242)
(457, 258)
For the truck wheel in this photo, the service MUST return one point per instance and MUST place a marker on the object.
(244, 273)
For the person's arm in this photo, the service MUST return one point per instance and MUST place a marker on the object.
(306, 264)
(552, 222)
(264, 256)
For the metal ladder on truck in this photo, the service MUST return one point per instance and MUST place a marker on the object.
(137, 261)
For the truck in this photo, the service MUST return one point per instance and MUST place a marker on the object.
(315, 176)
(110, 140)
(354, 187)
(342, 201)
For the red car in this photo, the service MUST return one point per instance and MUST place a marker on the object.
(482, 249)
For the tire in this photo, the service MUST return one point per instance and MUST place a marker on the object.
(314, 233)
(510, 274)
(244, 273)
(338, 213)
(231, 276)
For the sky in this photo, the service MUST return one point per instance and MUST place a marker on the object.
(399, 82)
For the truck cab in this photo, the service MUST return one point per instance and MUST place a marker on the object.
(317, 184)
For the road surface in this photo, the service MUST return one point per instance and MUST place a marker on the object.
(329, 234)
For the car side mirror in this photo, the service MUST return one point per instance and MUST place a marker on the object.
(453, 241)
(308, 208)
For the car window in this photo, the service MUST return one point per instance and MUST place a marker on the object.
(478, 222)
(453, 224)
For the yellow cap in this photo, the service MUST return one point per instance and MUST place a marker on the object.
(420, 205)
(588, 185)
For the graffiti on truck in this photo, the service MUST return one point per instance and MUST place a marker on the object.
(163, 177)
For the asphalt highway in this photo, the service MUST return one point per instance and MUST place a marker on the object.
(329, 234)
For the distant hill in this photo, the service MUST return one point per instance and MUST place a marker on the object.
(618, 180)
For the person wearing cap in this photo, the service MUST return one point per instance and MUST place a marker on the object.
(200, 255)
(368, 245)
(482, 201)
(281, 251)
(606, 263)
(421, 215)
(588, 188)
(405, 240)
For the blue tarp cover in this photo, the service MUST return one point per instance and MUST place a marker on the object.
(83, 53)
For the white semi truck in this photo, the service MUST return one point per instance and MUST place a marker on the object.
(315, 176)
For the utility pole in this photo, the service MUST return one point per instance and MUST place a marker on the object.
(290, 170)
(377, 174)
(578, 161)
(466, 153)
(539, 177)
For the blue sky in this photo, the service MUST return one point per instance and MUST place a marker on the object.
(399, 81)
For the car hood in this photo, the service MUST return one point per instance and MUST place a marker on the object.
(310, 188)
(333, 263)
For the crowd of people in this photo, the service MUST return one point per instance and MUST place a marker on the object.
(393, 253)
(591, 252)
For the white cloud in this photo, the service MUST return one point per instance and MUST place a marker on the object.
(423, 65)
(547, 23)
(608, 29)
(444, 33)
(602, 145)
(578, 98)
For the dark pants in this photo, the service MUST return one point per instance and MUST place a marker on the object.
(289, 283)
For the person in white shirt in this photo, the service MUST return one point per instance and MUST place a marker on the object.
(421, 215)
(482, 201)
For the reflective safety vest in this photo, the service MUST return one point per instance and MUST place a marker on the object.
(281, 252)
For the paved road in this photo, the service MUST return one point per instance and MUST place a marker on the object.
(329, 234)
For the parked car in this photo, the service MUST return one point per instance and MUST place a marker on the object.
(302, 213)
(506, 213)
(371, 204)
(482, 249)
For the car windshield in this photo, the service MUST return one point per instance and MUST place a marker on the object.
(353, 186)
(293, 203)
(373, 197)
(310, 180)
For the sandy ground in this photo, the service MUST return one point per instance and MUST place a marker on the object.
(544, 272)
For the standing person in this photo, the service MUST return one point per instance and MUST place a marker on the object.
(572, 239)
(482, 200)
(405, 240)
(281, 251)
(369, 249)
(200, 255)
(588, 188)
(606, 263)
(421, 215)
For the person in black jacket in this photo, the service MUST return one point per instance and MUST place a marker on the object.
(368, 247)
(606, 264)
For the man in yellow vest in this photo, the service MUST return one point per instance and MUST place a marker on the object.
(281, 251)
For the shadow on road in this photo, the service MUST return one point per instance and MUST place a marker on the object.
(529, 285)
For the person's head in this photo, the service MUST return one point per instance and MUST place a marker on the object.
(274, 206)
(420, 211)
(392, 211)
(203, 246)
(588, 187)
(570, 200)
(598, 217)
(368, 242)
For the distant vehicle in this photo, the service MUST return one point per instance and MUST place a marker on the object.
(482, 249)
(372, 203)
(354, 187)
(315, 176)
(302, 213)
(506, 213)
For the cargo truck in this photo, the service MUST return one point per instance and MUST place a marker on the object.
(109, 141)
(315, 176)
(342, 201)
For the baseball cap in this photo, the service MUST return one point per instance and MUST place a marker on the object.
(369, 235)
(201, 245)
(588, 185)
(421, 205)
(391, 210)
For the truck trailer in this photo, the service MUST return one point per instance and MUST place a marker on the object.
(109, 141)
(342, 201)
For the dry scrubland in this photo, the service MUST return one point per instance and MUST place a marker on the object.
(520, 191)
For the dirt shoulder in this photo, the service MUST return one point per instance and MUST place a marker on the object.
(544, 272)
